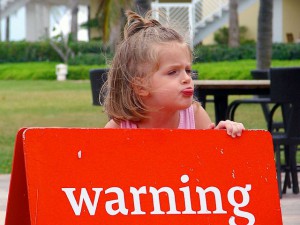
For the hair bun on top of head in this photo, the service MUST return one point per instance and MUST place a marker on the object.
(136, 22)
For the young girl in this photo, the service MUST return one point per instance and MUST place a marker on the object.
(149, 83)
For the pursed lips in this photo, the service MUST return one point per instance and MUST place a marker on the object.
(188, 91)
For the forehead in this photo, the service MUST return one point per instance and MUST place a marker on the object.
(173, 51)
(165, 54)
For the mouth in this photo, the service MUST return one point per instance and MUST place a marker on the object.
(188, 92)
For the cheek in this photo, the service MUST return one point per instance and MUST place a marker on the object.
(163, 90)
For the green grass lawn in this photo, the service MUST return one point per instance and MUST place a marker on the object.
(43, 104)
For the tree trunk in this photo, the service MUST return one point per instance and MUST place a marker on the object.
(74, 16)
(264, 36)
(234, 34)
(7, 29)
(142, 6)
(89, 28)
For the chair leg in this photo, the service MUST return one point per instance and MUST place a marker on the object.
(266, 110)
(231, 110)
(278, 168)
(293, 166)
(286, 182)
(287, 178)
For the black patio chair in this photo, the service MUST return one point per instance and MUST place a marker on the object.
(97, 78)
(263, 100)
(285, 92)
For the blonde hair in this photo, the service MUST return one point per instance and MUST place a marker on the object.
(134, 59)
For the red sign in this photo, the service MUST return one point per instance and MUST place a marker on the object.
(143, 176)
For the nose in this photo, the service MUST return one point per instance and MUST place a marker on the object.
(186, 78)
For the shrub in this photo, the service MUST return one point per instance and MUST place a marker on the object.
(216, 53)
(222, 35)
(23, 51)
(92, 53)
(89, 59)
(43, 71)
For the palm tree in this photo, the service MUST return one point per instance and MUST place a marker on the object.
(142, 6)
(234, 39)
(264, 36)
(74, 24)
(110, 14)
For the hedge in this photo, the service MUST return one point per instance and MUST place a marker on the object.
(42, 71)
(86, 53)
(217, 53)
(92, 53)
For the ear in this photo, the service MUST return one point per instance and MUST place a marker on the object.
(139, 87)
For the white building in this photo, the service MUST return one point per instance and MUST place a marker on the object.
(32, 20)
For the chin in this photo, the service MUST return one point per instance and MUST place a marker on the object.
(185, 106)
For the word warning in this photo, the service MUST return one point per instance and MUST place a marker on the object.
(142, 176)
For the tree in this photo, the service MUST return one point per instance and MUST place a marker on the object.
(60, 43)
(264, 35)
(234, 36)
(142, 6)
(110, 15)
(74, 24)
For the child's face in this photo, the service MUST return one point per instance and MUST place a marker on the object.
(171, 85)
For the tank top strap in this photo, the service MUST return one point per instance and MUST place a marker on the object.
(128, 125)
(187, 119)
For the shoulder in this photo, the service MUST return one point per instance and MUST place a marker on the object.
(112, 124)
(202, 120)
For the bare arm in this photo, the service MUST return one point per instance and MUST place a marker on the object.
(112, 124)
(202, 121)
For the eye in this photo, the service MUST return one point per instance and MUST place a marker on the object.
(189, 71)
(172, 72)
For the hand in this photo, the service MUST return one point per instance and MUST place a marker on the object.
(233, 128)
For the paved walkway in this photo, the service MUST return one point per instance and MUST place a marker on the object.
(290, 204)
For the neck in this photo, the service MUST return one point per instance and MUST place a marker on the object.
(160, 120)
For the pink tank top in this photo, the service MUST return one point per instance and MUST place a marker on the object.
(186, 120)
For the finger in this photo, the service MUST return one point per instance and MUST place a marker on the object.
(240, 127)
(221, 125)
(230, 129)
(211, 126)
(235, 130)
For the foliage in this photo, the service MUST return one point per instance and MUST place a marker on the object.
(222, 36)
(42, 71)
(216, 53)
(23, 51)
(89, 59)
(109, 13)
(61, 44)
(89, 53)
(229, 70)
(209, 70)
(288, 51)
